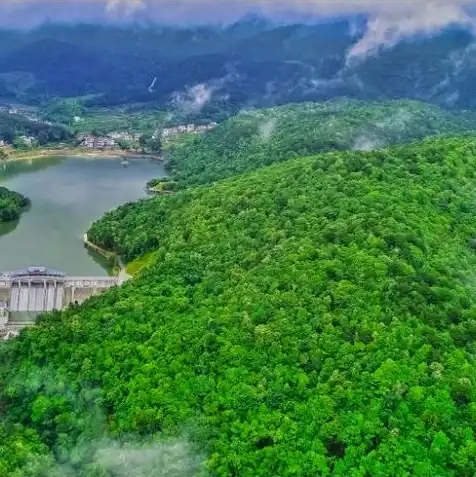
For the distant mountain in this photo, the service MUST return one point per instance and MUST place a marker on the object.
(249, 63)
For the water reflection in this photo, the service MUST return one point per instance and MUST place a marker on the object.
(8, 227)
(67, 194)
(108, 265)
(12, 169)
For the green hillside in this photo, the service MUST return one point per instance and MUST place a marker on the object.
(13, 125)
(312, 318)
(262, 137)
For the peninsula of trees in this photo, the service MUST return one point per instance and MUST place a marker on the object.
(12, 204)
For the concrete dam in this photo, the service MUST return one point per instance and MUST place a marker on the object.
(24, 294)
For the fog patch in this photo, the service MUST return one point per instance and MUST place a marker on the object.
(397, 122)
(459, 62)
(194, 99)
(134, 459)
(94, 452)
(267, 129)
(367, 143)
(319, 84)
(246, 112)
(124, 8)
(395, 21)
(160, 460)
(439, 87)
(452, 98)
(389, 20)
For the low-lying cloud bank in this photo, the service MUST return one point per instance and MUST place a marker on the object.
(388, 21)
(421, 14)
(161, 459)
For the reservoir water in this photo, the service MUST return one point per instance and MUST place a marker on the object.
(67, 195)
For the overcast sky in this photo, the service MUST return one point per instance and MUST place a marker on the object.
(389, 20)
(424, 12)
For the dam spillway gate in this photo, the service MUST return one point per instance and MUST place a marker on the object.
(24, 294)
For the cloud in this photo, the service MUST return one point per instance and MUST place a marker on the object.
(126, 458)
(194, 98)
(388, 26)
(367, 143)
(125, 7)
(93, 452)
(388, 20)
(175, 459)
(223, 10)
(267, 129)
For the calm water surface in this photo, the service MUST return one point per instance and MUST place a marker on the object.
(67, 195)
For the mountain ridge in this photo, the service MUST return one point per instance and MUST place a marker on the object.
(280, 63)
(317, 314)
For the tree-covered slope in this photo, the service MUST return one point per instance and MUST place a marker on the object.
(12, 204)
(312, 318)
(265, 136)
(13, 125)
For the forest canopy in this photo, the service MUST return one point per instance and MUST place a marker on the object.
(262, 137)
(12, 204)
(316, 317)
(14, 125)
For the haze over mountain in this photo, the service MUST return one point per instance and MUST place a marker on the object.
(388, 22)
(247, 63)
(408, 16)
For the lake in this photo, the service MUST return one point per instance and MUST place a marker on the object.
(67, 195)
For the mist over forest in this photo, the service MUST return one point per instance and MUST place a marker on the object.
(255, 61)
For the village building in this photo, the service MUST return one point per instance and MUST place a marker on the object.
(127, 136)
(168, 133)
(29, 140)
(89, 141)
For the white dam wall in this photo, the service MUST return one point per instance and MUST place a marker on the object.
(36, 297)
(26, 293)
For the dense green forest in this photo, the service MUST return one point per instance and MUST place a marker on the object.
(14, 125)
(316, 317)
(261, 137)
(12, 204)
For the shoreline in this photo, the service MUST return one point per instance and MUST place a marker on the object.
(38, 154)
(108, 255)
(111, 256)
(119, 269)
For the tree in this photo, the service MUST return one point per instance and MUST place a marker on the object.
(20, 144)
(144, 141)
(12, 204)
(62, 111)
(124, 144)
(150, 143)
(155, 144)
(98, 132)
